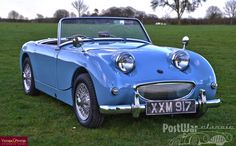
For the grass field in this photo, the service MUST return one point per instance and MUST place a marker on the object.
(47, 121)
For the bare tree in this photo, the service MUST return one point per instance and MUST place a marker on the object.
(39, 16)
(120, 12)
(179, 6)
(113, 12)
(128, 12)
(80, 6)
(96, 11)
(140, 15)
(61, 13)
(21, 17)
(230, 9)
(13, 15)
(72, 14)
(213, 12)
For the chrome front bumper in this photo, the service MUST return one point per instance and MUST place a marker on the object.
(202, 105)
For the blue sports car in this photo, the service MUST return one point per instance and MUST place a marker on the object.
(108, 65)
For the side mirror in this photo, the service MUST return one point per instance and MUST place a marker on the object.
(76, 42)
(185, 41)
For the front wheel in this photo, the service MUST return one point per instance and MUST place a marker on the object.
(85, 102)
(28, 78)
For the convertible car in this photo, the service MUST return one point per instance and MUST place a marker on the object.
(108, 65)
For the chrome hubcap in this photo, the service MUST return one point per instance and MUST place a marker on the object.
(27, 77)
(82, 101)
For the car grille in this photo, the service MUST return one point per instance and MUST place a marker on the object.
(165, 91)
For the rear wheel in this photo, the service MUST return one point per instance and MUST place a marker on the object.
(28, 78)
(85, 102)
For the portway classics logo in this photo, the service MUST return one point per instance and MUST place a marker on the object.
(198, 135)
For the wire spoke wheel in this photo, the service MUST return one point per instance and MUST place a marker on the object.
(85, 103)
(82, 100)
(27, 77)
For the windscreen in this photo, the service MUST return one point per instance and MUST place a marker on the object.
(102, 27)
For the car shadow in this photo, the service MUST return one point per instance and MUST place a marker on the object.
(124, 120)
(127, 120)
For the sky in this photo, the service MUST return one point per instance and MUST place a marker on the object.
(29, 8)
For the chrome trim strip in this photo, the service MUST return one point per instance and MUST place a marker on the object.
(164, 82)
(213, 103)
(59, 32)
(65, 43)
(202, 104)
(115, 109)
(136, 107)
(46, 40)
(105, 39)
(141, 24)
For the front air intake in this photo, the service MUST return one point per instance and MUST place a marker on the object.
(165, 91)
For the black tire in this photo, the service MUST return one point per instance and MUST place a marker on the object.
(30, 90)
(94, 117)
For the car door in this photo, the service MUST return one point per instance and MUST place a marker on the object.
(67, 63)
(45, 56)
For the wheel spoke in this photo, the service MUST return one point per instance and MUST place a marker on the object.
(82, 98)
(27, 77)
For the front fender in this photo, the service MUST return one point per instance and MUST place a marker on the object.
(100, 71)
(105, 77)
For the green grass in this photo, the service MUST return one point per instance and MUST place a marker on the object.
(47, 121)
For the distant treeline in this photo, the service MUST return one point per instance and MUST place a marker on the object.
(146, 20)
(36, 20)
(205, 21)
(212, 18)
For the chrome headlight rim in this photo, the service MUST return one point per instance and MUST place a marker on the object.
(125, 62)
(181, 59)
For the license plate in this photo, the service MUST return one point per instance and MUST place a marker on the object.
(170, 107)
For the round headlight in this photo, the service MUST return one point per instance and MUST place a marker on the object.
(181, 60)
(125, 62)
